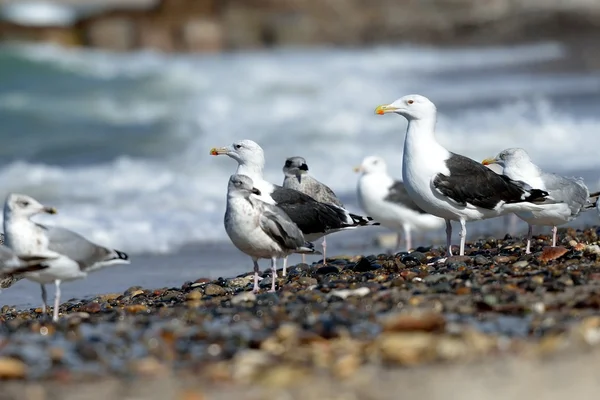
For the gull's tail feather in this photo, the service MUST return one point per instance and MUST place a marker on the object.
(114, 257)
(537, 196)
(359, 220)
(307, 248)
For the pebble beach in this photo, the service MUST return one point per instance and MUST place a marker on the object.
(364, 326)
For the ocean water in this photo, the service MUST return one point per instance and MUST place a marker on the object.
(120, 142)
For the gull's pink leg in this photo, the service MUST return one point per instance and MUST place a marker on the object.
(284, 266)
(463, 236)
(449, 238)
(274, 273)
(554, 234)
(256, 271)
(324, 245)
(529, 236)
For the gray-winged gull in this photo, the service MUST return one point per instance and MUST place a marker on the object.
(387, 200)
(259, 229)
(72, 256)
(571, 194)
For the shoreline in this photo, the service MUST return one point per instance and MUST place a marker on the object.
(378, 318)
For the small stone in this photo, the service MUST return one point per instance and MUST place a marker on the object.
(243, 297)
(462, 291)
(327, 269)
(552, 253)
(136, 308)
(108, 297)
(427, 322)
(12, 368)
(592, 249)
(410, 348)
(214, 290)
(91, 308)
(501, 259)
(521, 264)
(194, 295)
(481, 260)
(148, 366)
(364, 265)
(136, 293)
(307, 281)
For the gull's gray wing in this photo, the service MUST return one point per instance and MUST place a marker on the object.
(571, 191)
(397, 194)
(275, 223)
(320, 192)
(78, 248)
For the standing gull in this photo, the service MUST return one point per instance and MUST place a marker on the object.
(72, 256)
(259, 229)
(295, 171)
(315, 219)
(387, 200)
(449, 185)
(571, 194)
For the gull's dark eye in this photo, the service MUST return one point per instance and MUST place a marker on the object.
(24, 203)
(288, 164)
(410, 101)
(238, 146)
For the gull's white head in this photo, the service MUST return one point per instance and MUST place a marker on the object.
(241, 185)
(24, 206)
(372, 165)
(411, 107)
(295, 166)
(509, 157)
(245, 152)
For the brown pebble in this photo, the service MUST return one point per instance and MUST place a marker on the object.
(11, 368)
(552, 253)
(135, 308)
(501, 259)
(193, 295)
(461, 291)
(91, 308)
(428, 322)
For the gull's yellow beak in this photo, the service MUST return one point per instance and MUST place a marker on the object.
(385, 108)
(358, 168)
(216, 151)
(489, 161)
(50, 210)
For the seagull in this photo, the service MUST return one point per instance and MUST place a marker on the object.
(295, 171)
(260, 229)
(449, 185)
(315, 219)
(71, 256)
(387, 200)
(571, 194)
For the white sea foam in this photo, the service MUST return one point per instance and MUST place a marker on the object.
(162, 191)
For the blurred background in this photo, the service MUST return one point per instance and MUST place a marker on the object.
(108, 108)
